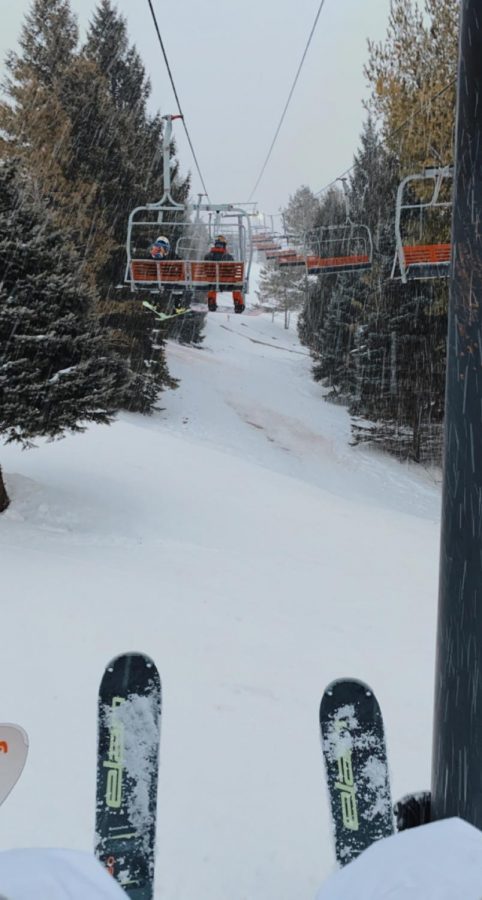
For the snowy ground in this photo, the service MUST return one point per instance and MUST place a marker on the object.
(237, 538)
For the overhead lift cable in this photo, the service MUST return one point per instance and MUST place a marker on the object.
(156, 25)
(289, 99)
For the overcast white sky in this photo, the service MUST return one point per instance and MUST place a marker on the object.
(233, 64)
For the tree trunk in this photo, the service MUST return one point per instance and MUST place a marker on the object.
(4, 498)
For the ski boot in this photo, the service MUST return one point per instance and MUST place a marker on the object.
(238, 299)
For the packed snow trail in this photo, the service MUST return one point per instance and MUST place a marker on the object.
(254, 373)
(238, 539)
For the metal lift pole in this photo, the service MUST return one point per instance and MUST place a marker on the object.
(457, 748)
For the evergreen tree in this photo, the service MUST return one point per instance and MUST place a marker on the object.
(399, 340)
(400, 353)
(412, 75)
(327, 313)
(140, 339)
(311, 319)
(135, 139)
(4, 498)
(282, 288)
(38, 125)
(124, 156)
(334, 364)
(331, 209)
(188, 329)
(372, 191)
(48, 42)
(107, 44)
(81, 126)
(54, 372)
(377, 344)
(301, 212)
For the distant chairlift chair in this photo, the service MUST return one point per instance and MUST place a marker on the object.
(293, 256)
(347, 247)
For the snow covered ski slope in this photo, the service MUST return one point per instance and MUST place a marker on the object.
(239, 540)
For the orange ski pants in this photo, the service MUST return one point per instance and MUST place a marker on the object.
(237, 296)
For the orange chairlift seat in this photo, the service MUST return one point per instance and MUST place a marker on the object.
(221, 276)
(421, 260)
(291, 258)
(317, 265)
(291, 262)
(277, 254)
(261, 237)
(149, 270)
(266, 246)
(431, 254)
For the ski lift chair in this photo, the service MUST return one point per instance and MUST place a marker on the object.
(340, 248)
(344, 247)
(142, 271)
(261, 237)
(207, 275)
(264, 242)
(191, 271)
(419, 217)
(292, 257)
(172, 219)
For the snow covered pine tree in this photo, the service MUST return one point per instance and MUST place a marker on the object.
(55, 373)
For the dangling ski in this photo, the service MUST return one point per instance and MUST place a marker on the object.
(13, 755)
(163, 317)
(356, 765)
(127, 769)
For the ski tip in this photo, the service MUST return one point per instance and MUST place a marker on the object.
(13, 756)
(132, 656)
(353, 683)
(344, 691)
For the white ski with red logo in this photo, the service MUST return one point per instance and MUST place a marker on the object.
(13, 755)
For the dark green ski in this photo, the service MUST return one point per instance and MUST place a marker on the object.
(127, 769)
(355, 756)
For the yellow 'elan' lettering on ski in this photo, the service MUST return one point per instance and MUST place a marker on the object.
(346, 785)
(115, 758)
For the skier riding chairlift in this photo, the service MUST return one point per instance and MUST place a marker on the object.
(218, 253)
(161, 249)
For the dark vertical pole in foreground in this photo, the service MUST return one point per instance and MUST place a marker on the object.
(457, 752)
